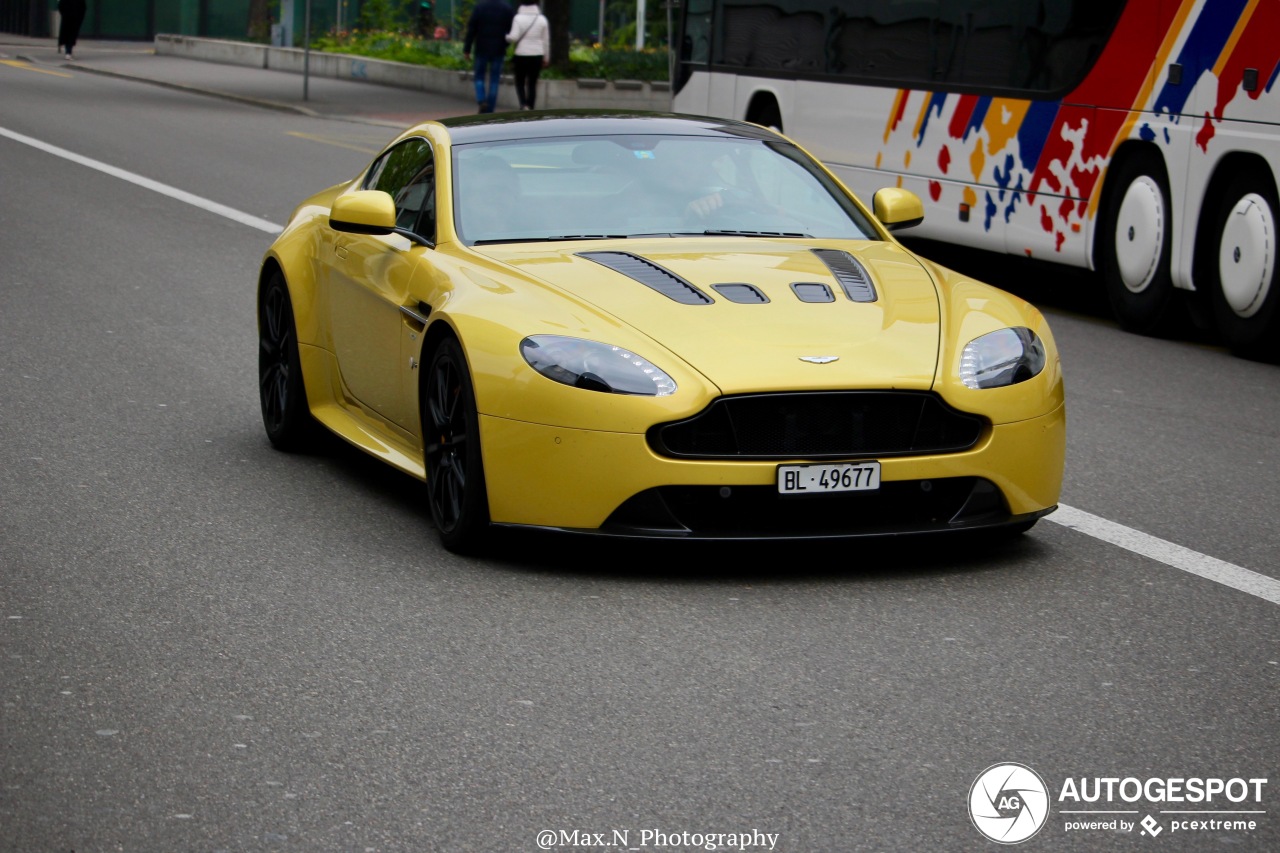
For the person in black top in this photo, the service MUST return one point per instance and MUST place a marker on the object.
(487, 33)
(73, 12)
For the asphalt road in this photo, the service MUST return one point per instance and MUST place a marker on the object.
(208, 645)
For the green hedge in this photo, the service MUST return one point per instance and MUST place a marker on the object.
(609, 63)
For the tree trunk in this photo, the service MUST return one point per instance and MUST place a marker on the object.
(557, 12)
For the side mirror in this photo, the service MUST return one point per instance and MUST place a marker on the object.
(897, 208)
(363, 212)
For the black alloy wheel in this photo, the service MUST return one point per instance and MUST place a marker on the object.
(451, 444)
(284, 399)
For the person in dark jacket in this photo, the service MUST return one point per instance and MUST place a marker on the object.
(72, 16)
(487, 33)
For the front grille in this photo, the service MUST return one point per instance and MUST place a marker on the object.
(816, 425)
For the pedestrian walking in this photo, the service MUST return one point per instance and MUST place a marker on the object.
(71, 16)
(531, 35)
(487, 33)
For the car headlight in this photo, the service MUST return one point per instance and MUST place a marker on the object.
(1000, 358)
(595, 366)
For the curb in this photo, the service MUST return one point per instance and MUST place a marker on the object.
(261, 103)
(195, 90)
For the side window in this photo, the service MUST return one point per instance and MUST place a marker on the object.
(765, 35)
(695, 42)
(408, 174)
(1020, 45)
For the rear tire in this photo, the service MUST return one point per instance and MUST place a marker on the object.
(456, 490)
(1242, 268)
(1135, 247)
(285, 414)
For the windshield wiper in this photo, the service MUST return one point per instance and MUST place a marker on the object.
(722, 233)
(557, 238)
(588, 237)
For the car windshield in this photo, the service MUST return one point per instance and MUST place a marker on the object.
(637, 186)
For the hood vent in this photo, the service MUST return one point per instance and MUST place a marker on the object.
(747, 294)
(647, 272)
(812, 291)
(852, 275)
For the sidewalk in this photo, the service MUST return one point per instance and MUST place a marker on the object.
(346, 100)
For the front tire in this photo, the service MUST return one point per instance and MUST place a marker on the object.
(1136, 249)
(1243, 285)
(285, 413)
(456, 490)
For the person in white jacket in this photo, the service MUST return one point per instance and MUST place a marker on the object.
(531, 34)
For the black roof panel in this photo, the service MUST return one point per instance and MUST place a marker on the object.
(553, 123)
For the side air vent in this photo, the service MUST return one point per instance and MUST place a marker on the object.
(747, 294)
(813, 291)
(646, 272)
(851, 274)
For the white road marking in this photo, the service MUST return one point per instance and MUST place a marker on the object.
(164, 189)
(1192, 562)
(1176, 556)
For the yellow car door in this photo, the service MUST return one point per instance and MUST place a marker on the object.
(371, 311)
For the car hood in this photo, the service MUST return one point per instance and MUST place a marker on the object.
(891, 342)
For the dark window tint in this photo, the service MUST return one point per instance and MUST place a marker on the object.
(407, 173)
(1029, 45)
(695, 42)
(695, 38)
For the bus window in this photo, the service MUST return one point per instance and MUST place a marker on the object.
(764, 36)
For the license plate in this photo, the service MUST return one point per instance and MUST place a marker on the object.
(821, 479)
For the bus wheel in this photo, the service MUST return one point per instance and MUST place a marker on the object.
(1243, 284)
(764, 111)
(1136, 247)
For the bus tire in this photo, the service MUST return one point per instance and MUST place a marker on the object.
(1135, 247)
(1242, 267)
(764, 111)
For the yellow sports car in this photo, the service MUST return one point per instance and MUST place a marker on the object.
(652, 326)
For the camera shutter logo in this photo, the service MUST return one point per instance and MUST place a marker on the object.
(1008, 803)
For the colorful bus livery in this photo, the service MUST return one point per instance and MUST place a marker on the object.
(1141, 139)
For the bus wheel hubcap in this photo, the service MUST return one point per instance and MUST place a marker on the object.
(1140, 234)
(1247, 254)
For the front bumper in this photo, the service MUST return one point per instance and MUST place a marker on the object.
(614, 484)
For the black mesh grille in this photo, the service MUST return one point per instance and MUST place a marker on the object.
(819, 425)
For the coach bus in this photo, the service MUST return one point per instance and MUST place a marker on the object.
(1140, 138)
